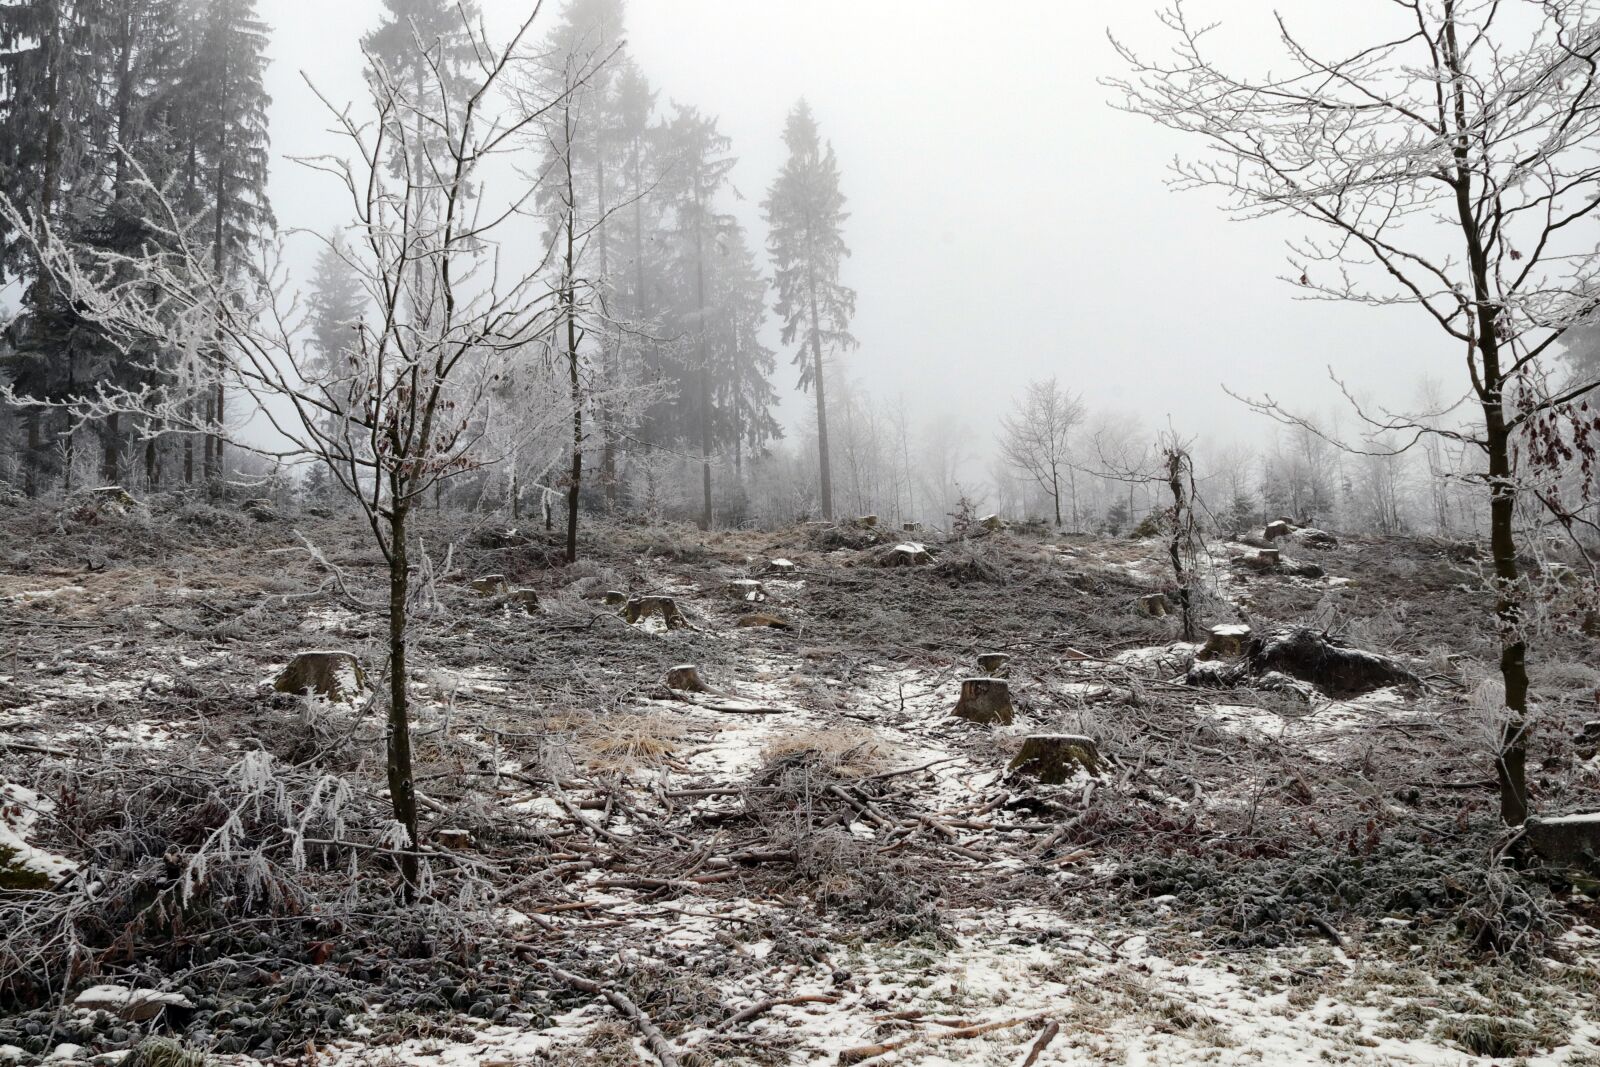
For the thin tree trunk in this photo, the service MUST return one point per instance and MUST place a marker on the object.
(822, 404)
(402, 789)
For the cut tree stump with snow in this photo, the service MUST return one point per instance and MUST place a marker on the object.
(986, 701)
(1226, 642)
(528, 598)
(784, 568)
(905, 554)
(135, 1005)
(260, 509)
(490, 585)
(1565, 838)
(644, 607)
(994, 664)
(992, 523)
(910, 527)
(614, 597)
(335, 676)
(1154, 605)
(867, 521)
(685, 678)
(746, 589)
(1277, 529)
(453, 837)
(1055, 759)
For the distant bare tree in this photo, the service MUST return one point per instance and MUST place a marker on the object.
(1449, 166)
(1036, 439)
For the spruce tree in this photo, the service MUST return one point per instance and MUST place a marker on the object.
(805, 218)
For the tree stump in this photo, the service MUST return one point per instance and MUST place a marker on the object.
(490, 585)
(685, 678)
(905, 554)
(260, 509)
(910, 527)
(992, 523)
(994, 664)
(453, 838)
(1278, 528)
(528, 598)
(614, 597)
(1226, 642)
(867, 521)
(986, 701)
(644, 607)
(335, 676)
(747, 589)
(1154, 605)
(782, 567)
(1566, 838)
(1054, 759)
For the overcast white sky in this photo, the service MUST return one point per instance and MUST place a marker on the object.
(1007, 223)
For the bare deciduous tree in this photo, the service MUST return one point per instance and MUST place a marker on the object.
(1036, 439)
(404, 406)
(1449, 166)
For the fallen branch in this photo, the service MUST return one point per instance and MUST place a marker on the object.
(654, 1039)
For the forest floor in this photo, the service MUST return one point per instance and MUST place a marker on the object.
(814, 862)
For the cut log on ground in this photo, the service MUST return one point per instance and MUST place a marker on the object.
(1306, 655)
(994, 664)
(776, 622)
(335, 676)
(1055, 759)
(664, 607)
(1314, 538)
(685, 678)
(986, 701)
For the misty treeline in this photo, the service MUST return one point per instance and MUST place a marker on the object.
(133, 128)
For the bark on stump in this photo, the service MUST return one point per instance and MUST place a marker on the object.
(1226, 642)
(1565, 839)
(747, 589)
(453, 838)
(643, 607)
(490, 585)
(1054, 759)
(685, 678)
(905, 554)
(986, 701)
(994, 664)
(1154, 605)
(335, 676)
